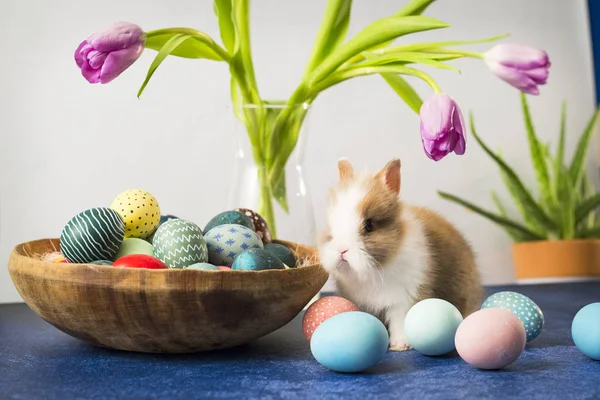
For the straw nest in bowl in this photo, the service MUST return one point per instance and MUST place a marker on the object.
(162, 311)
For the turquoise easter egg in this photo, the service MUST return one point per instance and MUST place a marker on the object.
(229, 217)
(585, 330)
(203, 266)
(256, 260)
(283, 253)
(93, 234)
(350, 342)
(430, 326)
(134, 246)
(102, 262)
(523, 307)
(179, 243)
(225, 242)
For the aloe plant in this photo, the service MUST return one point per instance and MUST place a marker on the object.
(567, 204)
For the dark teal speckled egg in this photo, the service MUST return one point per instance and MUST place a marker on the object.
(256, 260)
(230, 217)
(283, 253)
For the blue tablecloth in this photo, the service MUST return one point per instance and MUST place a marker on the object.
(39, 362)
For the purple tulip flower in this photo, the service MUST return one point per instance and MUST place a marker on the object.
(442, 127)
(105, 55)
(521, 66)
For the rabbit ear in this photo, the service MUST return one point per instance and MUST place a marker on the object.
(345, 170)
(390, 175)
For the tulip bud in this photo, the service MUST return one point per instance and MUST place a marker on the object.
(105, 55)
(442, 127)
(521, 66)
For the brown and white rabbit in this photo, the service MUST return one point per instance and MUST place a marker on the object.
(385, 255)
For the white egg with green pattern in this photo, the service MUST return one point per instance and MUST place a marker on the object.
(179, 243)
(225, 242)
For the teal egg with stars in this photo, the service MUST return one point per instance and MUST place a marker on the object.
(230, 217)
(523, 307)
(256, 260)
(225, 242)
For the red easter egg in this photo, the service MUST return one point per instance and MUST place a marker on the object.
(223, 268)
(322, 310)
(139, 261)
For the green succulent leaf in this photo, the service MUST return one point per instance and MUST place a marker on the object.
(567, 206)
(404, 90)
(536, 150)
(516, 236)
(589, 233)
(586, 207)
(196, 45)
(332, 32)
(224, 12)
(164, 52)
(503, 222)
(376, 33)
(577, 164)
(523, 194)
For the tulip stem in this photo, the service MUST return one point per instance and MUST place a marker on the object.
(464, 53)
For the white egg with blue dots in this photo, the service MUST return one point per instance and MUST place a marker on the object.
(225, 242)
(523, 307)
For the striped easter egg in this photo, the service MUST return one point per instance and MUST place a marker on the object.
(179, 243)
(93, 234)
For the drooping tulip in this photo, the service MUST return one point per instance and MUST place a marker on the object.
(442, 127)
(521, 66)
(106, 54)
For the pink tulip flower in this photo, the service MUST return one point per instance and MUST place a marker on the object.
(521, 66)
(105, 55)
(442, 127)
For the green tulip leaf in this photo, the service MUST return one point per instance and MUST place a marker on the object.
(404, 90)
(223, 11)
(198, 46)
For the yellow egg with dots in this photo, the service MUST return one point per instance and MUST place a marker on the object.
(140, 211)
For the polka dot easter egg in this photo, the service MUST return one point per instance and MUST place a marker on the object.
(523, 307)
(225, 242)
(93, 234)
(180, 243)
(140, 211)
(323, 309)
(260, 225)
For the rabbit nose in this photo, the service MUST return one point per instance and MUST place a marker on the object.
(342, 252)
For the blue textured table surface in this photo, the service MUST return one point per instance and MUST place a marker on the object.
(39, 362)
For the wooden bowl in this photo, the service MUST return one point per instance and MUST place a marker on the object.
(162, 311)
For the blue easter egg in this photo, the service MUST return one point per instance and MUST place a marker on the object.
(585, 330)
(256, 260)
(283, 253)
(523, 307)
(225, 242)
(430, 326)
(350, 342)
(230, 217)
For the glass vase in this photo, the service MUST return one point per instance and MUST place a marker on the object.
(250, 184)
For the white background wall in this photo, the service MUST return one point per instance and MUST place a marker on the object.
(67, 145)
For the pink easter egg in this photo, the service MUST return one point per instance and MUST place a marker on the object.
(323, 309)
(224, 268)
(491, 338)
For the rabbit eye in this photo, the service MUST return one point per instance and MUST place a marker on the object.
(369, 225)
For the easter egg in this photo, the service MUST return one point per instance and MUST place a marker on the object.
(140, 211)
(102, 262)
(350, 342)
(585, 330)
(203, 266)
(256, 260)
(224, 268)
(523, 307)
(491, 338)
(430, 326)
(179, 243)
(139, 261)
(260, 225)
(323, 309)
(162, 220)
(228, 218)
(225, 242)
(282, 252)
(93, 234)
(134, 246)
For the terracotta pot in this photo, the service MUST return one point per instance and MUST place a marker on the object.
(556, 258)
